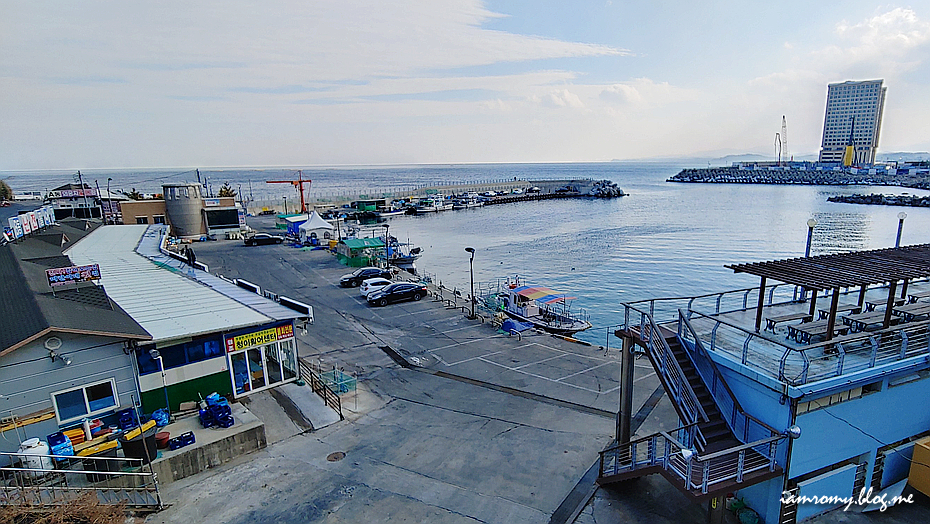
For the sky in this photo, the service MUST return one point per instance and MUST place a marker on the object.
(97, 84)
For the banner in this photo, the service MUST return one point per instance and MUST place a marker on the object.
(17, 227)
(65, 275)
(72, 193)
(258, 338)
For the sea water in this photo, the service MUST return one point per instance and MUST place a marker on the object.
(662, 240)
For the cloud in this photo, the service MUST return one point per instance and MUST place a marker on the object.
(562, 98)
(886, 44)
(645, 92)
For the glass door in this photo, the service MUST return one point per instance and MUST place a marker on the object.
(256, 367)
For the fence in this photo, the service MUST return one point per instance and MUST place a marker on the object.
(54, 480)
(319, 386)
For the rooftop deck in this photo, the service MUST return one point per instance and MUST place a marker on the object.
(791, 348)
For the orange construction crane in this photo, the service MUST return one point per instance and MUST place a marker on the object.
(298, 184)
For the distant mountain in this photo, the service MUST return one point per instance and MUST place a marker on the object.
(903, 157)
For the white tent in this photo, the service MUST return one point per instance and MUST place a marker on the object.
(316, 227)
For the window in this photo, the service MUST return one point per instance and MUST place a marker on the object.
(159, 219)
(142, 220)
(85, 401)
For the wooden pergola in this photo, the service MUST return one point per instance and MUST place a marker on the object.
(860, 268)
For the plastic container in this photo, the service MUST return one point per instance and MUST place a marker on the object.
(162, 438)
(136, 447)
(29, 452)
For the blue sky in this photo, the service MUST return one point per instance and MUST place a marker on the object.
(124, 84)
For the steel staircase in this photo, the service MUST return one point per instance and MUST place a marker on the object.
(719, 448)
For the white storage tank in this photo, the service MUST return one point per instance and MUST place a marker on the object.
(30, 451)
(184, 207)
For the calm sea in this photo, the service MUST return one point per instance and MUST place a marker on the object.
(663, 240)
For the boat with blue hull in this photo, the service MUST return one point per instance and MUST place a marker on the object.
(544, 308)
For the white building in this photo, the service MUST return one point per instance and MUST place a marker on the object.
(862, 102)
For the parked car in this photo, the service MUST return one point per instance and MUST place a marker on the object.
(489, 194)
(533, 189)
(517, 191)
(373, 284)
(397, 292)
(260, 239)
(355, 278)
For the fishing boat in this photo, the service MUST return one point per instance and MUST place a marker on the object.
(469, 200)
(540, 306)
(431, 205)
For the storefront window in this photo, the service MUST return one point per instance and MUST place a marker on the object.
(272, 363)
(261, 359)
(256, 369)
(289, 359)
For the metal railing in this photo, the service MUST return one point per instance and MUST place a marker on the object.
(675, 458)
(768, 354)
(318, 385)
(743, 425)
(679, 389)
(59, 479)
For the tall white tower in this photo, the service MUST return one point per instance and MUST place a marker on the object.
(851, 102)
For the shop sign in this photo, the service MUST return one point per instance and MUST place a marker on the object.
(72, 193)
(257, 338)
(65, 275)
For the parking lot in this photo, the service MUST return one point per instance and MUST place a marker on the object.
(475, 425)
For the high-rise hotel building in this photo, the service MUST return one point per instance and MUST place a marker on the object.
(848, 102)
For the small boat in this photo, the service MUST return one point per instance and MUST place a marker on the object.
(431, 205)
(540, 306)
(468, 201)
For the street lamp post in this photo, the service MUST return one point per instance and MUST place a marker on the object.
(901, 216)
(109, 201)
(387, 243)
(285, 204)
(807, 249)
(471, 273)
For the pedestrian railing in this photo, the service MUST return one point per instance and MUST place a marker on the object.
(55, 480)
(319, 386)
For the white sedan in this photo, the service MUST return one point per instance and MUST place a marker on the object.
(373, 284)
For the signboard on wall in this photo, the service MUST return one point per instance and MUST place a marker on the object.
(72, 193)
(257, 338)
(66, 275)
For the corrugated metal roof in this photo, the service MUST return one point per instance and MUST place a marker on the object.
(149, 247)
(159, 297)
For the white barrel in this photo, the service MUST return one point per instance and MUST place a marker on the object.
(30, 452)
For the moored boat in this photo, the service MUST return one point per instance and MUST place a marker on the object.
(540, 306)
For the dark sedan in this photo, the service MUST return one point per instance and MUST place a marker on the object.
(397, 292)
(355, 278)
(261, 239)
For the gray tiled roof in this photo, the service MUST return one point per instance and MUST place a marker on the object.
(29, 307)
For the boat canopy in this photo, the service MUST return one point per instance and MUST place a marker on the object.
(540, 294)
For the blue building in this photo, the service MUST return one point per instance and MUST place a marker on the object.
(822, 399)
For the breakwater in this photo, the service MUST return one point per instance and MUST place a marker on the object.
(883, 200)
(546, 189)
(825, 177)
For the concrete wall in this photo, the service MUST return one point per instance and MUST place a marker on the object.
(28, 377)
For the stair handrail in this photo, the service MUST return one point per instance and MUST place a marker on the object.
(668, 367)
(726, 396)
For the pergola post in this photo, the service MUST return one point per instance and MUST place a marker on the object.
(813, 308)
(904, 288)
(834, 304)
(862, 296)
(759, 308)
(889, 306)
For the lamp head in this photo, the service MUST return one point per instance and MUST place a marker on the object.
(793, 431)
(902, 215)
(470, 250)
(687, 454)
(154, 353)
(811, 223)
